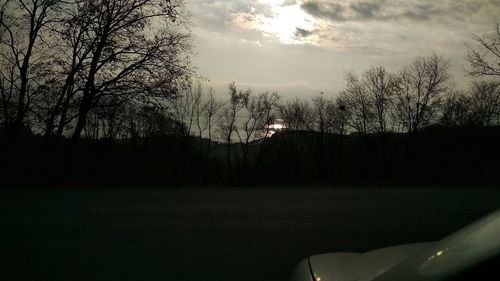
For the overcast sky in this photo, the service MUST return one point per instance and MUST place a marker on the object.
(300, 48)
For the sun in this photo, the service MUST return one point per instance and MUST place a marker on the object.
(284, 21)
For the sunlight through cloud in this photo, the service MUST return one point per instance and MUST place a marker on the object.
(286, 21)
(280, 19)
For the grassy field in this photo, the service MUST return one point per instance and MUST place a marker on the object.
(215, 233)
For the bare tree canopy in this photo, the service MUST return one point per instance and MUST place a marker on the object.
(298, 115)
(87, 51)
(135, 50)
(358, 104)
(484, 58)
(421, 87)
(22, 51)
(368, 98)
(478, 107)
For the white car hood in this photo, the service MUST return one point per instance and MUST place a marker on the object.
(360, 266)
(475, 247)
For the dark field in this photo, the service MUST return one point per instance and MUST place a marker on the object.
(215, 233)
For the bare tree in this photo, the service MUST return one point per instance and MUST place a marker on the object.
(380, 87)
(338, 117)
(187, 108)
(484, 103)
(8, 90)
(485, 58)
(420, 89)
(114, 122)
(258, 116)
(270, 103)
(358, 103)
(320, 107)
(361, 113)
(484, 61)
(207, 117)
(42, 102)
(479, 107)
(210, 110)
(368, 98)
(21, 26)
(74, 47)
(138, 48)
(297, 114)
(238, 99)
(454, 110)
(148, 120)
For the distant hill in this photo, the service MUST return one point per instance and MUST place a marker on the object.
(435, 155)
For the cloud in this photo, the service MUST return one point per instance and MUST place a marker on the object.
(346, 10)
(366, 9)
(289, 2)
(217, 15)
(276, 42)
(300, 32)
(389, 25)
(396, 10)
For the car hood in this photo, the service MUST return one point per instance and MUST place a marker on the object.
(355, 266)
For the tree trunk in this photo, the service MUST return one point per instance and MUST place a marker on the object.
(64, 113)
(85, 107)
(61, 101)
(20, 102)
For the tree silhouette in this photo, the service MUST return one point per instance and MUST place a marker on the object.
(479, 107)
(420, 89)
(297, 114)
(485, 57)
(135, 51)
(238, 99)
(22, 23)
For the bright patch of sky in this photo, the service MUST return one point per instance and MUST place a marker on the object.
(283, 21)
(302, 47)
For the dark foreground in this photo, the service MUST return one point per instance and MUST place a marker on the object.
(215, 233)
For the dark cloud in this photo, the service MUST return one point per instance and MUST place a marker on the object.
(301, 33)
(365, 9)
(289, 2)
(380, 10)
(423, 12)
(361, 10)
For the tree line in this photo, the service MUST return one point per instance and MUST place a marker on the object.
(376, 122)
(110, 83)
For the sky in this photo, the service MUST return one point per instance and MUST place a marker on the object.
(302, 47)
